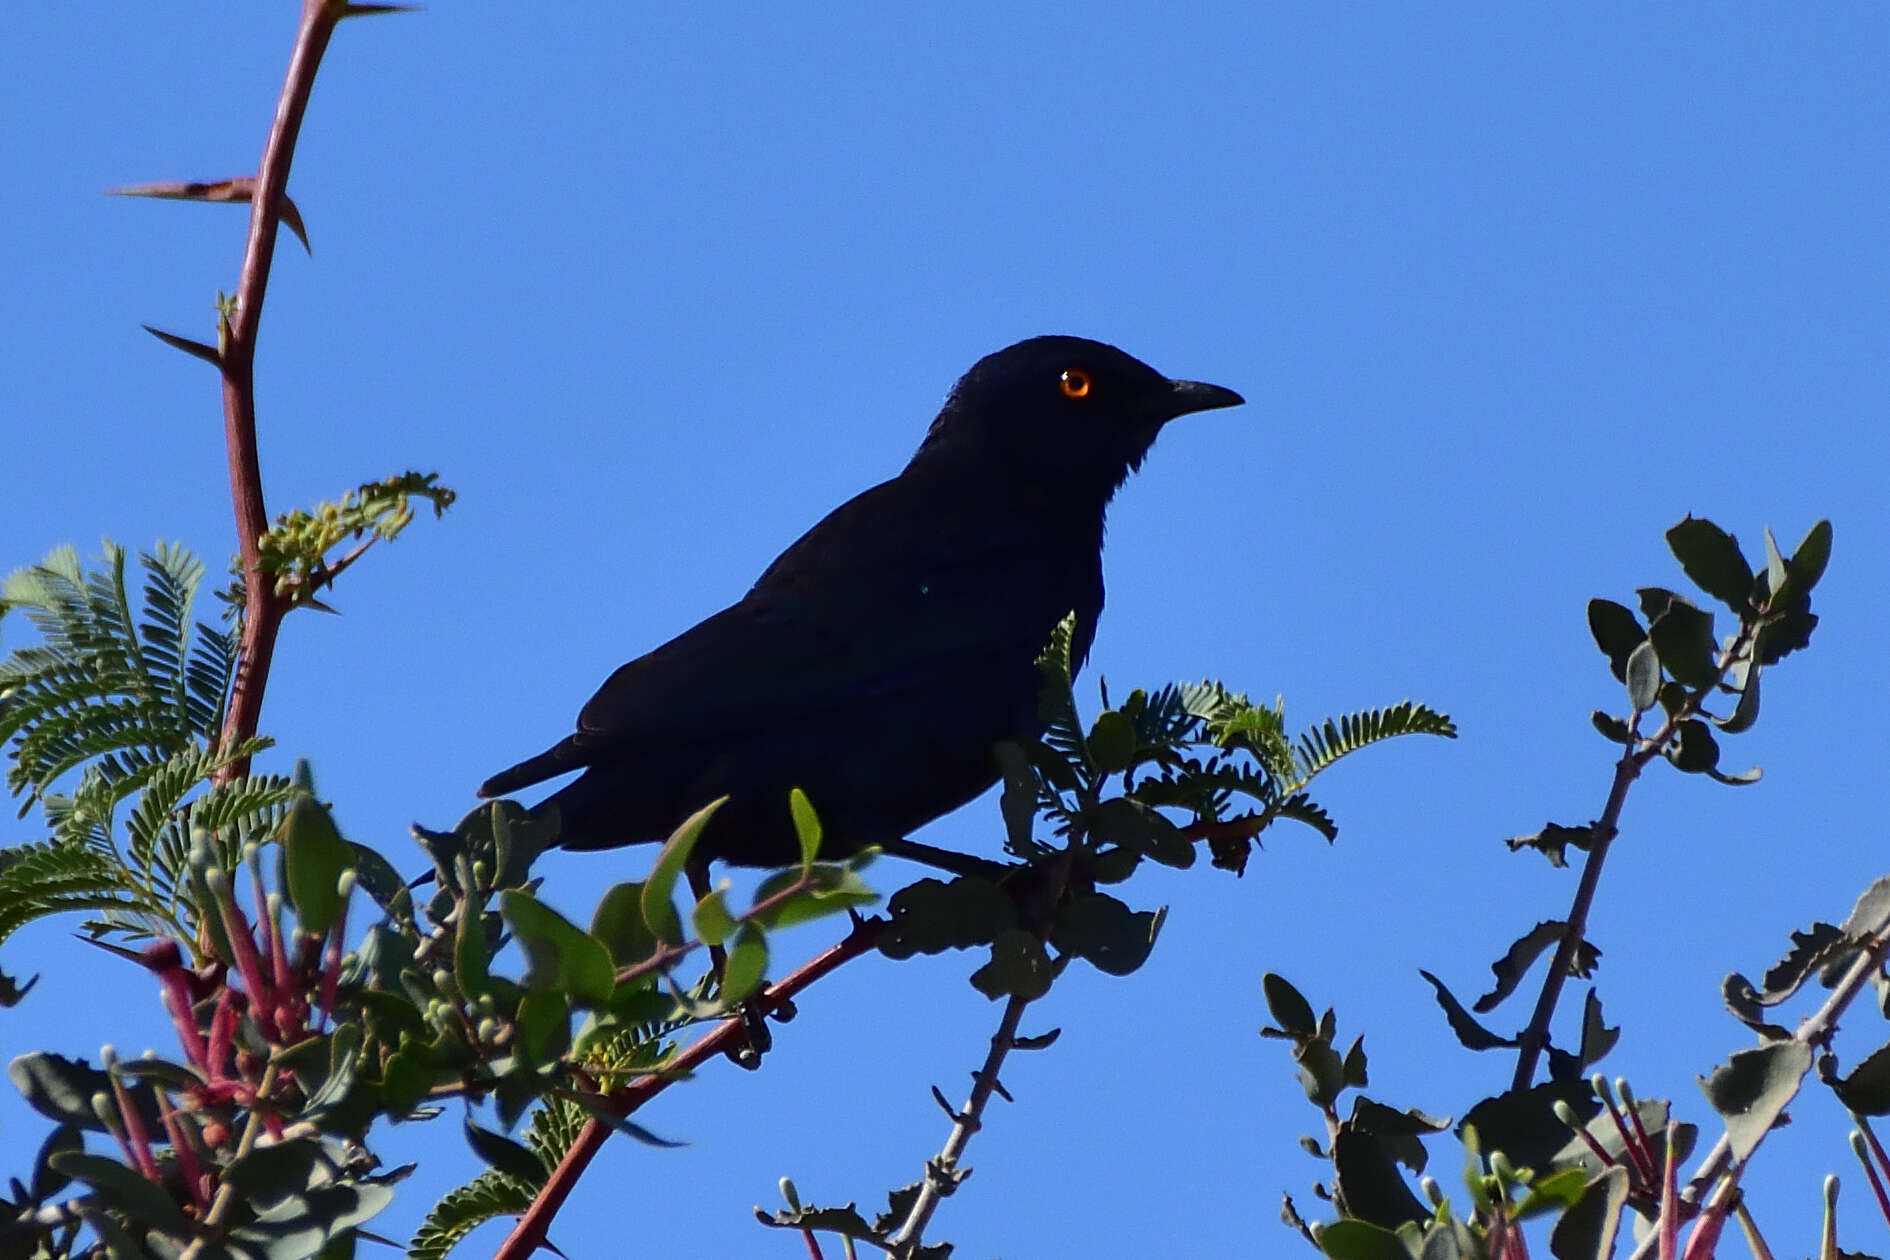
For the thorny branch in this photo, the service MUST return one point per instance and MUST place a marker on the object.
(533, 1227)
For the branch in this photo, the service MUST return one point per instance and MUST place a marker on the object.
(263, 609)
(530, 1232)
(941, 1171)
(1536, 1036)
(1815, 1031)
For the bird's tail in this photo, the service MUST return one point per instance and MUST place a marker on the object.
(549, 764)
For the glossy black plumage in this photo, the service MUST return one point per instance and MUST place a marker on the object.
(880, 658)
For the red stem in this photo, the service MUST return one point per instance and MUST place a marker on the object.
(263, 609)
(533, 1227)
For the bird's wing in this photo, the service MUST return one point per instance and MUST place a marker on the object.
(882, 598)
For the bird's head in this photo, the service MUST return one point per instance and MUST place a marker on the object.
(1062, 409)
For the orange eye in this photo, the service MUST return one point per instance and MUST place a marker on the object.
(1074, 383)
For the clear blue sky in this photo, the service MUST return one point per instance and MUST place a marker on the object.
(1509, 294)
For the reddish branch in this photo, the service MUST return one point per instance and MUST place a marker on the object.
(531, 1231)
(263, 609)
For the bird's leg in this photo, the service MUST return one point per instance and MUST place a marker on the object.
(759, 1039)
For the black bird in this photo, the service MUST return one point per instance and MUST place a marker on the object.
(879, 660)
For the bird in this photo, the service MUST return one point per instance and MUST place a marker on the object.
(881, 659)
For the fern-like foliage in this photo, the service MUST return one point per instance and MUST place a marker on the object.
(121, 703)
(116, 686)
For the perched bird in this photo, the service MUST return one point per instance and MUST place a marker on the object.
(879, 660)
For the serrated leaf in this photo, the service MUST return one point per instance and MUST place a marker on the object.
(1711, 557)
(1111, 937)
(1752, 1088)
(1643, 678)
(1470, 1033)
(1369, 1184)
(659, 907)
(1522, 954)
(1553, 841)
(1019, 967)
(1597, 1037)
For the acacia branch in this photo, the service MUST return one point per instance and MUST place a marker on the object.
(533, 1227)
(263, 608)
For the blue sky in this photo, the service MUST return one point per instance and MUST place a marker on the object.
(1509, 292)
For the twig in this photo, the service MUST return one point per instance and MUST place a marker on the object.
(942, 1168)
(1604, 830)
(530, 1232)
(263, 609)
(1814, 1031)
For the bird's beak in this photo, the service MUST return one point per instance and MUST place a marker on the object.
(1185, 397)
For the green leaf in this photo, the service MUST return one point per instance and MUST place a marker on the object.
(1597, 1037)
(269, 1174)
(1612, 728)
(806, 825)
(1554, 840)
(712, 919)
(1643, 678)
(1522, 954)
(560, 956)
(1683, 639)
(470, 960)
(509, 1157)
(1112, 742)
(314, 855)
(1587, 1230)
(1361, 1240)
(1712, 558)
(746, 965)
(1369, 1181)
(1289, 1008)
(1113, 938)
(1473, 1035)
(1320, 1070)
(618, 923)
(1746, 711)
(829, 889)
(1866, 1091)
(1810, 558)
(659, 907)
(124, 1189)
(1133, 825)
(1617, 633)
(1698, 751)
(1019, 967)
(1752, 1088)
(932, 915)
(544, 1025)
